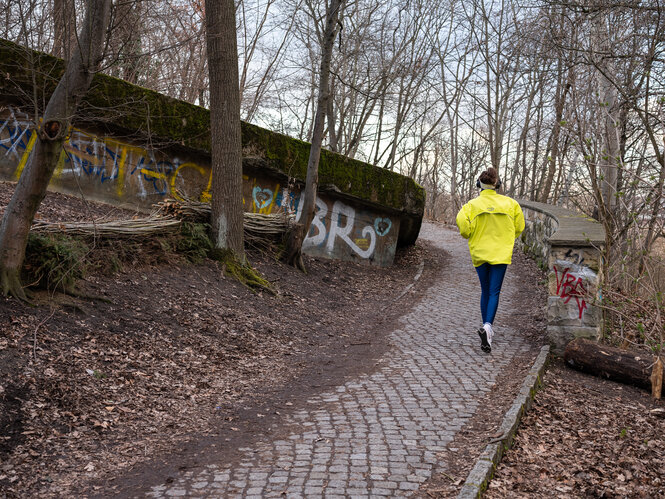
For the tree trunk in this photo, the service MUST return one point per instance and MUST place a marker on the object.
(608, 124)
(37, 174)
(565, 195)
(125, 41)
(298, 234)
(227, 211)
(553, 159)
(332, 135)
(64, 28)
(624, 366)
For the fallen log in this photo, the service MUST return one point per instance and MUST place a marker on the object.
(624, 366)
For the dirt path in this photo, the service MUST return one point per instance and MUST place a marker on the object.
(174, 355)
(179, 371)
(386, 431)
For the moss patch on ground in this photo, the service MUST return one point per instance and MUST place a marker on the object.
(243, 272)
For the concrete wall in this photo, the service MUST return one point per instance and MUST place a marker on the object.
(109, 170)
(340, 229)
(569, 245)
(133, 146)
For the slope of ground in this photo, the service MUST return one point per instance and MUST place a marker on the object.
(585, 437)
(169, 352)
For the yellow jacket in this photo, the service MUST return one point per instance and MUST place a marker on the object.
(491, 222)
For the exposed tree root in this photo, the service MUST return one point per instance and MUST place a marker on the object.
(84, 296)
(76, 308)
(241, 271)
(10, 283)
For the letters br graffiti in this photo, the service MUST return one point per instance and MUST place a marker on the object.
(570, 286)
(334, 222)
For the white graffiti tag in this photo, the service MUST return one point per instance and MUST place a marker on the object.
(342, 231)
(318, 222)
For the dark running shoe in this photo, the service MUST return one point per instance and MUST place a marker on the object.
(484, 344)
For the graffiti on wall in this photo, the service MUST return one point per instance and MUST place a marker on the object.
(572, 283)
(334, 221)
(132, 170)
(120, 171)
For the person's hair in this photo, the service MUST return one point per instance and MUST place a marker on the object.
(489, 176)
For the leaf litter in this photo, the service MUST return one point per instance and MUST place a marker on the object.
(91, 389)
(585, 437)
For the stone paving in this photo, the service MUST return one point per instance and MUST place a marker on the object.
(386, 433)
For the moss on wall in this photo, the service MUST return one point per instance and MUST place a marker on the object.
(360, 180)
(123, 108)
(110, 103)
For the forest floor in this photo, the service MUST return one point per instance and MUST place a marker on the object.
(585, 437)
(92, 389)
(163, 352)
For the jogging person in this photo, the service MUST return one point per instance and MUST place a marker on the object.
(491, 222)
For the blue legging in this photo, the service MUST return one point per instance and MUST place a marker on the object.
(491, 279)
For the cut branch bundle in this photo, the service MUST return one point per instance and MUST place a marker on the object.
(167, 219)
(188, 211)
(258, 227)
(116, 229)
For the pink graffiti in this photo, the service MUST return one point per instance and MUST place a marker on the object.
(569, 287)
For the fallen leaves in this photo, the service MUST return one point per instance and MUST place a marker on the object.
(110, 380)
(585, 437)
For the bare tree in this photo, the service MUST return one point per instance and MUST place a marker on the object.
(64, 28)
(227, 212)
(265, 36)
(125, 50)
(562, 70)
(298, 233)
(55, 125)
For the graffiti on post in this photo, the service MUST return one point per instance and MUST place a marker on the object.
(575, 256)
(570, 285)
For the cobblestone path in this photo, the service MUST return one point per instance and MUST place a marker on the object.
(386, 433)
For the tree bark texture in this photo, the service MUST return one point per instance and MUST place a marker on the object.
(608, 121)
(657, 379)
(125, 41)
(53, 130)
(624, 366)
(64, 28)
(296, 239)
(559, 103)
(226, 205)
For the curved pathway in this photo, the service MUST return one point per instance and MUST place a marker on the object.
(386, 433)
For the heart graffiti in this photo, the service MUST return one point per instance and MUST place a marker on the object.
(262, 197)
(382, 226)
